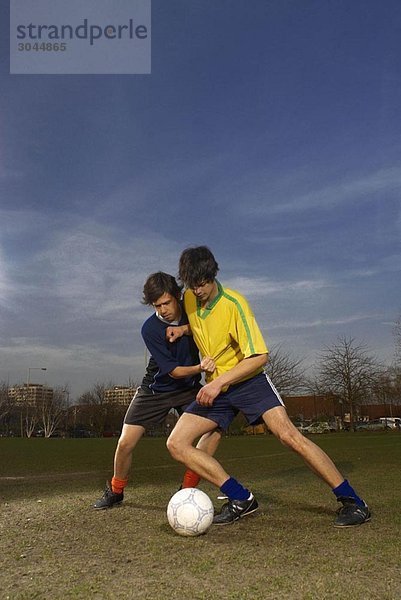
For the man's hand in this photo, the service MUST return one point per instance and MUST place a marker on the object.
(174, 333)
(207, 364)
(208, 393)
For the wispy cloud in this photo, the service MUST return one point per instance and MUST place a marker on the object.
(75, 355)
(387, 264)
(25, 224)
(98, 273)
(263, 197)
(91, 270)
(313, 323)
(78, 365)
(260, 286)
(6, 287)
(356, 191)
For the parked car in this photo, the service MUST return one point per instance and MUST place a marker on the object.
(317, 427)
(391, 422)
(80, 433)
(373, 425)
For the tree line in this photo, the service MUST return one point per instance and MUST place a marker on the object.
(346, 370)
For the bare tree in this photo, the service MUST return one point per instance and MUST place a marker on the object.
(387, 390)
(52, 409)
(30, 421)
(348, 371)
(285, 371)
(4, 399)
(5, 406)
(28, 412)
(100, 408)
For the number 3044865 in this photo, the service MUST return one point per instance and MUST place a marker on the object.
(42, 47)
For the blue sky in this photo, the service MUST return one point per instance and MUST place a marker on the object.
(268, 130)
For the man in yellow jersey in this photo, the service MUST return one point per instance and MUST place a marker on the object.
(224, 328)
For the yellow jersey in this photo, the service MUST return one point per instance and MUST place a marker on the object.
(226, 329)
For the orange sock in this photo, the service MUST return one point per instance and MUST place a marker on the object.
(191, 479)
(118, 485)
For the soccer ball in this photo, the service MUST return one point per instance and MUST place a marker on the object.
(190, 512)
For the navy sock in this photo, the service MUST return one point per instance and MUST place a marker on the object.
(234, 490)
(344, 489)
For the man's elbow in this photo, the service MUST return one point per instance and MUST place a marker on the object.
(174, 374)
(263, 359)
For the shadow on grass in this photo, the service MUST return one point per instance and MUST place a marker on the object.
(313, 509)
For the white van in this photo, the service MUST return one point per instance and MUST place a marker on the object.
(391, 422)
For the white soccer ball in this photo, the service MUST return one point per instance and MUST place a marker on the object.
(190, 512)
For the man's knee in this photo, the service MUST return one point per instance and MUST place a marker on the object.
(173, 447)
(125, 445)
(178, 443)
(292, 438)
(129, 438)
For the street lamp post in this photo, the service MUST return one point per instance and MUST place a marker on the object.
(33, 369)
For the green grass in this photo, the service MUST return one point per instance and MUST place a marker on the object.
(53, 545)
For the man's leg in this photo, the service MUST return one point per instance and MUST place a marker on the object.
(280, 425)
(180, 444)
(130, 436)
(354, 511)
(208, 443)
(114, 494)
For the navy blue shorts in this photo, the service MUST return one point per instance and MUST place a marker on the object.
(252, 397)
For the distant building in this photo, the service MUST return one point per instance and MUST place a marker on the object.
(375, 411)
(315, 407)
(312, 406)
(119, 395)
(30, 395)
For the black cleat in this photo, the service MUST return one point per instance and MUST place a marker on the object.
(109, 499)
(234, 510)
(351, 514)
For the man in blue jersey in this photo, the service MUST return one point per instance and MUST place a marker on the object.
(171, 381)
(224, 327)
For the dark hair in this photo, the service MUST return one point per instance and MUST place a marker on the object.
(197, 265)
(158, 284)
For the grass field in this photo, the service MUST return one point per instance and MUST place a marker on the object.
(53, 545)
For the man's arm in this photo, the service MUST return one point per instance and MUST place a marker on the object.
(207, 364)
(173, 333)
(247, 366)
(155, 340)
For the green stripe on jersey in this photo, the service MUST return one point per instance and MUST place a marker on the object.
(243, 318)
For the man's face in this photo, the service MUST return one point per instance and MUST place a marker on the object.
(205, 291)
(168, 307)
